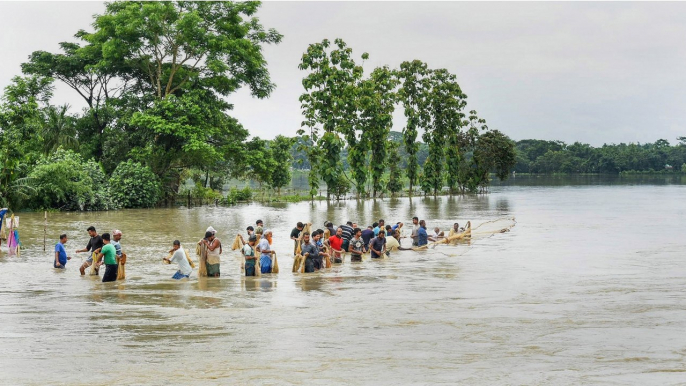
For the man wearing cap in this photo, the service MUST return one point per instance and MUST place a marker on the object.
(249, 254)
(116, 236)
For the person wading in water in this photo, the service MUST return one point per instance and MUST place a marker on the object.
(94, 244)
(356, 246)
(214, 249)
(249, 254)
(336, 244)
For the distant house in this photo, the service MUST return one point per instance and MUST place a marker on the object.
(668, 167)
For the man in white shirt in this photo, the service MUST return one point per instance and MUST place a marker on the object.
(179, 257)
(415, 228)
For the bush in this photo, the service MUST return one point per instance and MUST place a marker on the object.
(133, 185)
(64, 181)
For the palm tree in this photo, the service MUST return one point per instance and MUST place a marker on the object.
(58, 129)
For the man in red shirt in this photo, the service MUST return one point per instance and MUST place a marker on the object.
(336, 244)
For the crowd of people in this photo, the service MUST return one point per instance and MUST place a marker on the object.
(103, 249)
(320, 248)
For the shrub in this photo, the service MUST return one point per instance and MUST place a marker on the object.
(133, 185)
(64, 181)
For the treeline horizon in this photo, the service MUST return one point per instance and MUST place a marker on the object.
(538, 156)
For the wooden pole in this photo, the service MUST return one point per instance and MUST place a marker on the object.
(45, 229)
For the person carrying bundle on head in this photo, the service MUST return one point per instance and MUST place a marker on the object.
(249, 255)
(356, 247)
(94, 244)
(179, 257)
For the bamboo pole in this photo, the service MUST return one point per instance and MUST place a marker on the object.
(45, 229)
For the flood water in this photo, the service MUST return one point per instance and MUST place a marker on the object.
(587, 288)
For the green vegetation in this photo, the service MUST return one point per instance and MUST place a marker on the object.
(157, 128)
(548, 157)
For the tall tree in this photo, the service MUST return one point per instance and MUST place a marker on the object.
(413, 76)
(20, 122)
(281, 173)
(446, 102)
(182, 59)
(58, 129)
(328, 104)
(378, 96)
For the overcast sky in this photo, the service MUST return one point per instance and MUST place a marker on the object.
(590, 72)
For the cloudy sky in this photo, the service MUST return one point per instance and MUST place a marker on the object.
(590, 72)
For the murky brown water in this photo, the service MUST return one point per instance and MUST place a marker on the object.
(586, 289)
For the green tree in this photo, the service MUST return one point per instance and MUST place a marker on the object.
(446, 102)
(20, 122)
(394, 181)
(261, 163)
(414, 82)
(376, 119)
(172, 65)
(281, 173)
(58, 130)
(329, 105)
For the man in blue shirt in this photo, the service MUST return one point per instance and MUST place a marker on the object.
(61, 253)
(422, 236)
(367, 235)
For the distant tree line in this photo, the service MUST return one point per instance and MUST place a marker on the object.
(544, 157)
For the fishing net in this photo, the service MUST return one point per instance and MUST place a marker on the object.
(121, 272)
(95, 268)
(201, 251)
(298, 247)
(237, 243)
(471, 233)
(297, 261)
(188, 257)
(275, 264)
